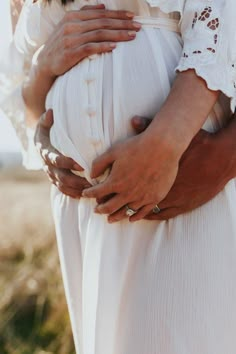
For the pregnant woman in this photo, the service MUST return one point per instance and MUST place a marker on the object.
(144, 287)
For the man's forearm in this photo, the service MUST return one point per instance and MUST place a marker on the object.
(225, 145)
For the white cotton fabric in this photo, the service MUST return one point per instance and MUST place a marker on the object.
(37, 21)
(146, 287)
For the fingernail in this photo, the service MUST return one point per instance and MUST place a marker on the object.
(76, 167)
(130, 14)
(132, 34)
(137, 25)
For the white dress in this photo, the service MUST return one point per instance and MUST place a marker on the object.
(146, 287)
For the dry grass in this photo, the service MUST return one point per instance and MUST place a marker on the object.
(33, 313)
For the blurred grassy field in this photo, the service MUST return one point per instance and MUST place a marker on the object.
(33, 313)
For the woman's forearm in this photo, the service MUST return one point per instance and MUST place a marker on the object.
(184, 112)
(34, 92)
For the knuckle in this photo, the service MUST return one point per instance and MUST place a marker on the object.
(43, 152)
(66, 42)
(121, 34)
(102, 13)
(59, 161)
(75, 183)
(69, 16)
(107, 209)
(116, 186)
(125, 24)
(67, 56)
(65, 28)
(52, 158)
(103, 47)
(99, 33)
(63, 179)
(122, 14)
(88, 48)
(46, 159)
(105, 23)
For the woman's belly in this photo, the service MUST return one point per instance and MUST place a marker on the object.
(94, 102)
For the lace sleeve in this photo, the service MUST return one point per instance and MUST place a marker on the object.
(32, 30)
(14, 68)
(207, 36)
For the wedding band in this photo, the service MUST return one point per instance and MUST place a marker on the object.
(156, 209)
(130, 211)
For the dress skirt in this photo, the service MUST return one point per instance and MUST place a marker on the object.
(147, 287)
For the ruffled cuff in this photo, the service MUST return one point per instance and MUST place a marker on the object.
(12, 104)
(207, 46)
(216, 77)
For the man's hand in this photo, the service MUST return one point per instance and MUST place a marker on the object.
(80, 34)
(205, 168)
(57, 166)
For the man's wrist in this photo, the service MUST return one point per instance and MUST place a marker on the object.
(42, 66)
(225, 146)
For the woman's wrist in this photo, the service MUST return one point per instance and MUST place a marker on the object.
(169, 133)
(42, 66)
(183, 114)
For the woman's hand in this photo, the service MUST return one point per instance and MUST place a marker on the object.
(144, 168)
(205, 168)
(57, 166)
(142, 174)
(92, 30)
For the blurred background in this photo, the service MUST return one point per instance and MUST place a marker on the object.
(33, 312)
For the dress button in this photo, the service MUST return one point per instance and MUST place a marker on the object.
(89, 78)
(95, 142)
(91, 111)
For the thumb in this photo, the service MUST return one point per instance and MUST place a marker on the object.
(140, 124)
(46, 120)
(102, 163)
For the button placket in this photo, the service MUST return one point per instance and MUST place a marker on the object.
(91, 109)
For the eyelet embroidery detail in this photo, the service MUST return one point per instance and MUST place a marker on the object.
(205, 22)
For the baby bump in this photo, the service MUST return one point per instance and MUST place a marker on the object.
(94, 102)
